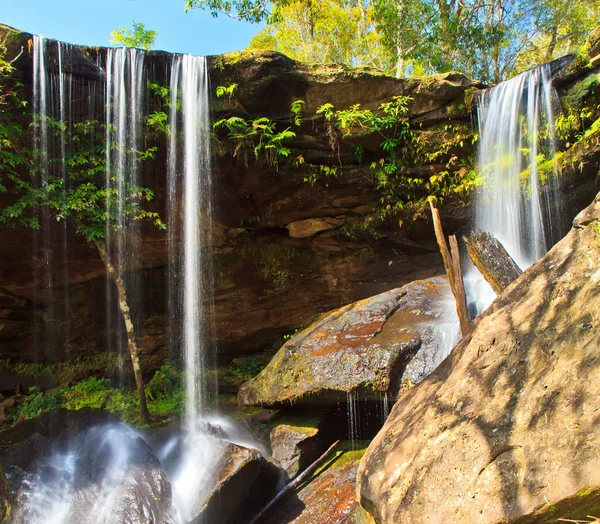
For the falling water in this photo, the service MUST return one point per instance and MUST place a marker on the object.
(353, 406)
(189, 174)
(42, 241)
(516, 203)
(52, 491)
(125, 80)
(190, 274)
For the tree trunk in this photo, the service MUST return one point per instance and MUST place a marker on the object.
(492, 260)
(452, 266)
(131, 342)
(399, 62)
(552, 45)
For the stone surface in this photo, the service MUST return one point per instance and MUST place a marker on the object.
(363, 347)
(507, 428)
(242, 482)
(6, 499)
(311, 226)
(23, 443)
(327, 498)
(269, 283)
(112, 475)
(296, 442)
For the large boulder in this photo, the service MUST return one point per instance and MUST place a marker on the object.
(108, 474)
(507, 429)
(363, 347)
(242, 482)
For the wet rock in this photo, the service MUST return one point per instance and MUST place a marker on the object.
(242, 482)
(109, 474)
(23, 443)
(296, 441)
(327, 498)
(507, 428)
(363, 347)
(6, 499)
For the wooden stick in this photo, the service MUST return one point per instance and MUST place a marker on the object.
(298, 480)
(441, 240)
(453, 271)
(459, 286)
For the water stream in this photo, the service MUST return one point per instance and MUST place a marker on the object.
(517, 203)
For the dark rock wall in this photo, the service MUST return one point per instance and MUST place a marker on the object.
(280, 252)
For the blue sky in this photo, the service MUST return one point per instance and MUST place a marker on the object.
(91, 21)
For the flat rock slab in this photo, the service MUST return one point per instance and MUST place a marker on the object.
(363, 347)
(508, 428)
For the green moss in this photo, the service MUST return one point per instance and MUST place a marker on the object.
(64, 373)
(248, 368)
(164, 392)
(469, 97)
(582, 58)
(576, 508)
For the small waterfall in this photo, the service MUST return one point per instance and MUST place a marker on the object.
(353, 408)
(42, 240)
(189, 174)
(189, 195)
(516, 203)
(125, 85)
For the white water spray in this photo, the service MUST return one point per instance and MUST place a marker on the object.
(516, 203)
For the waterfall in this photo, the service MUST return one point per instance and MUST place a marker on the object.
(189, 174)
(42, 241)
(190, 268)
(125, 85)
(516, 203)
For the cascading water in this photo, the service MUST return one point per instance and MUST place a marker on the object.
(191, 275)
(53, 492)
(516, 203)
(42, 244)
(125, 85)
(189, 174)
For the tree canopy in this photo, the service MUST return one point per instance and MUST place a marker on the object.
(138, 36)
(490, 40)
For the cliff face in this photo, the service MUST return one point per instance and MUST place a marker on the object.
(281, 245)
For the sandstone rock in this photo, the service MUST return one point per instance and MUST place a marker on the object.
(506, 430)
(326, 499)
(242, 482)
(295, 442)
(311, 226)
(362, 347)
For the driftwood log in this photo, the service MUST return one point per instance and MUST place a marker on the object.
(453, 270)
(492, 260)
